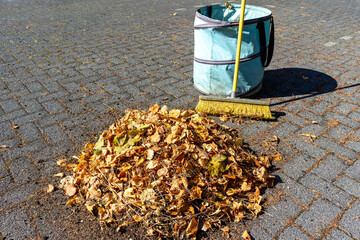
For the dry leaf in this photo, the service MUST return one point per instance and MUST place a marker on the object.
(59, 175)
(3, 146)
(50, 189)
(70, 190)
(275, 139)
(312, 137)
(226, 231)
(246, 235)
(192, 228)
(224, 118)
(62, 162)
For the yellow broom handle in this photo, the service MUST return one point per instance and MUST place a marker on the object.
(238, 48)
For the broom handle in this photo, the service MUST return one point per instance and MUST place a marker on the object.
(238, 48)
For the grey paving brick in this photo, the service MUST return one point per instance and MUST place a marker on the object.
(284, 130)
(296, 190)
(354, 170)
(298, 165)
(318, 217)
(31, 105)
(349, 185)
(72, 87)
(344, 108)
(29, 132)
(306, 147)
(53, 107)
(15, 224)
(30, 117)
(255, 128)
(54, 134)
(23, 170)
(274, 218)
(354, 145)
(342, 119)
(293, 233)
(349, 221)
(336, 148)
(6, 131)
(326, 189)
(35, 86)
(314, 129)
(330, 167)
(19, 195)
(52, 119)
(337, 234)
(293, 118)
(256, 232)
(338, 132)
(10, 105)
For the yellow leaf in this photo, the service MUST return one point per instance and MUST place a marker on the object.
(62, 162)
(192, 228)
(50, 189)
(154, 108)
(175, 113)
(246, 235)
(223, 118)
(312, 137)
(276, 157)
(70, 190)
(226, 231)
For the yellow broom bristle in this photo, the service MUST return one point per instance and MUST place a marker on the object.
(235, 109)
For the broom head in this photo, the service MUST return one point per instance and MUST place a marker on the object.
(243, 107)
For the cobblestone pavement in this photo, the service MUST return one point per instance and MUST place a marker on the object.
(69, 68)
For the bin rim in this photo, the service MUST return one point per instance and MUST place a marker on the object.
(214, 23)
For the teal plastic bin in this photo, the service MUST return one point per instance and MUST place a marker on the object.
(215, 39)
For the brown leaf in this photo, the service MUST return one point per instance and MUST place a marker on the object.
(246, 235)
(226, 231)
(70, 190)
(3, 146)
(312, 137)
(59, 175)
(62, 162)
(223, 118)
(192, 228)
(50, 189)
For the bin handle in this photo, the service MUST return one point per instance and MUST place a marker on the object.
(266, 52)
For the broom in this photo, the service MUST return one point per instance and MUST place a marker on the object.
(235, 106)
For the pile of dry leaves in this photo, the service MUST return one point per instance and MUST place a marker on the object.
(175, 172)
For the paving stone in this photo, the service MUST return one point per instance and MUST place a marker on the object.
(318, 217)
(53, 107)
(20, 194)
(293, 233)
(256, 232)
(297, 190)
(353, 145)
(298, 165)
(32, 105)
(15, 224)
(338, 132)
(349, 221)
(274, 218)
(23, 170)
(10, 105)
(336, 234)
(326, 189)
(343, 120)
(349, 185)
(284, 130)
(354, 170)
(344, 108)
(306, 147)
(54, 134)
(29, 132)
(313, 129)
(6, 131)
(330, 167)
(336, 148)
(255, 128)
